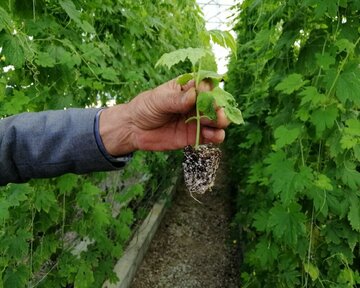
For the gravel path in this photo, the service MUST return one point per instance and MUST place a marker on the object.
(192, 248)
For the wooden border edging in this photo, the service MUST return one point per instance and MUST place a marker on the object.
(130, 261)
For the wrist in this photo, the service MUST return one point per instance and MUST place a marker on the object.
(116, 130)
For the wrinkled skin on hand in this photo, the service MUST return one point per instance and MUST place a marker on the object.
(155, 121)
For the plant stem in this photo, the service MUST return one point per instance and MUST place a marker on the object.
(198, 117)
(197, 141)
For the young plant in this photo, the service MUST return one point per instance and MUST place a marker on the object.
(202, 161)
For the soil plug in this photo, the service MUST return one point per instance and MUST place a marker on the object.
(200, 166)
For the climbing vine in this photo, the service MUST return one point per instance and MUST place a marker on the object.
(76, 53)
(297, 79)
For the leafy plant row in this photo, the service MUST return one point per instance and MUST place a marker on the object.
(297, 79)
(75, 53)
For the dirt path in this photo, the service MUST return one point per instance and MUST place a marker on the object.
(192, 248)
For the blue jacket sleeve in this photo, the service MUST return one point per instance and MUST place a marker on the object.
(51, 143)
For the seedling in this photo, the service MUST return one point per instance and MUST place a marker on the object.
(202, 161)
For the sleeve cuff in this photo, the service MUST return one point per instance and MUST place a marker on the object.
(116, 161)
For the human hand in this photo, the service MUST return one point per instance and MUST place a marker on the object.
(155, 121)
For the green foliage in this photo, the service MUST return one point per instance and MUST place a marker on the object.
(296, 159)
(80, 54)
(206, 102)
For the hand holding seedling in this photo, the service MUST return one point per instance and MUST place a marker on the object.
(202, 161)
(155, 120)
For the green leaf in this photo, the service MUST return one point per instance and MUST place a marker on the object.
(17, 103)
(282, 175)
(354, 212)
(173, 58)
(18, 244)
(350, 175)
(323, 7)
(5, 19)
(18, 193)
(185, 78)
(348, 85)
(291, 83)
(204, 74)
(84, 277)
(101, 215)
(66, 183)
(126, 216)
(88, 196)
(234, 115)
(223, 98)
(4, 210)
(261, 220)
(75, 15)
(44, 199)
(44, 59)
(130, 193)
(266, 252)
(285, 136)
(351, 135)
(325, 60)
(224, 39)
(110, 73)
(345, 45)
(13, 50)
(312, 270)
(323, 182)
(16, 277)
(311, 95)
(324, 118)
(288, 223)
(205, 102)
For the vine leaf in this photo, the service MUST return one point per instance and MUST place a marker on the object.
(180, 55)
(351, 135)
(350, 175)
(354, 212)
(5, 19)
(311, 95)
(87, 197)
(312, 270)
(101, 215)
(44, 200)
(13, 50)
(201, 75)
(234, 115)
(17, 102)
(282, 176)
(207, 101)
(224, 39)
(286, 135)
(348, 85)
(266, 252)
(74, 15)
(325, 60)
(287, 223)
(185, 78)
(18, 193)
(4, 210)
(84, 277)
(17, 277)
(66, 183)
(324, 118)
(291, 83)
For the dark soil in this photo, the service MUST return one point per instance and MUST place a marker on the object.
(193, 247)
